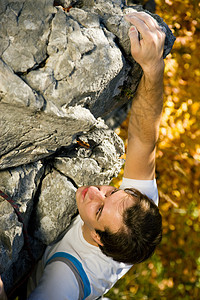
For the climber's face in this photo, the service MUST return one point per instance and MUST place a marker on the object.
(100, 207)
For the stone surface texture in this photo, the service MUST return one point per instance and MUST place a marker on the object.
(65, 68)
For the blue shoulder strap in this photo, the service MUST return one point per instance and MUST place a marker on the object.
(77, 269)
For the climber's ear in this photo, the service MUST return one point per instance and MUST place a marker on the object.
(96, 238)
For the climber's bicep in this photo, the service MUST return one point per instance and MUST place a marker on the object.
(57, 282)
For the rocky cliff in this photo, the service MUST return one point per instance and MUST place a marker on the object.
(65, 68)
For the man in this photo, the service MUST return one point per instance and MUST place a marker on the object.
(115, 227)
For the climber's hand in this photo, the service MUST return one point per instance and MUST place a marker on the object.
(2, 292)
(148, 51)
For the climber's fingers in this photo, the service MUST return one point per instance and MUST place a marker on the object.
(148, 49)
(135, 43)
(149, 21)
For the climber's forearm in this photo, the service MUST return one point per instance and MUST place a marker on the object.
(147, 108)
(143, 128)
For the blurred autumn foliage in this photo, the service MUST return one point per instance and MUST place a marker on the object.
(174, 270)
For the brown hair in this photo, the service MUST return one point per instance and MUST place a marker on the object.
(137, 240)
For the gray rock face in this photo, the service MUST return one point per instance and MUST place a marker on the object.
(11, 236)
(25, 28)
(37, 135)
(82, 50)
(16, 91)
(96, 164)
(61, 68)
(21, 185)
(61, 206)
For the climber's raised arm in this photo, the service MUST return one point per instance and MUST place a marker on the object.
(147, 105)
